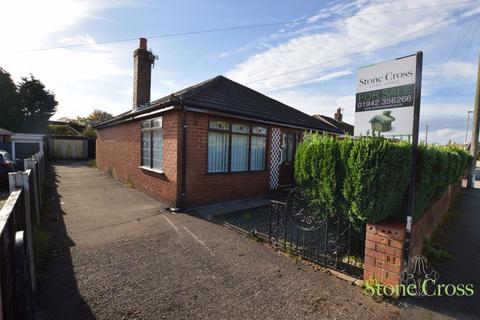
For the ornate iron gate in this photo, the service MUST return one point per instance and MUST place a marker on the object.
(300, 227)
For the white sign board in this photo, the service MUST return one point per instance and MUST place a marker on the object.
(385, 98)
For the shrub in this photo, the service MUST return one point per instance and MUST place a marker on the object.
(437, 168)
(316, 169)
(377, 177)
(368, 178)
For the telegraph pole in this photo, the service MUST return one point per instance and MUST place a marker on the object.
(474, 141)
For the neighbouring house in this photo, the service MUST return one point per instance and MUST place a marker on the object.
(5, 136)
(215, 141)
(65, 128)
(337, 121)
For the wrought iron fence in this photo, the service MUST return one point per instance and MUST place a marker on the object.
(300, 227)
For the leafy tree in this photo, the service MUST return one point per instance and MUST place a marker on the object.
(10, 115)
(96, 116)
(36, 104)
(59, 129)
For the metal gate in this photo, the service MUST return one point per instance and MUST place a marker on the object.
(300, 227)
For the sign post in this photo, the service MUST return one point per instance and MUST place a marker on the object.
(413, 177)
(388, 104)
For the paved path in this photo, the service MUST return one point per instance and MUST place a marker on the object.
(460, 236)
(119, 255)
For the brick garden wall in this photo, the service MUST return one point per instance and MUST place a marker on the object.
(384, 241)
(119, 152)
(431, 219)
(384, 251)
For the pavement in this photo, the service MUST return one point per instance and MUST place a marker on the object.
(460, 236)
(117, 254)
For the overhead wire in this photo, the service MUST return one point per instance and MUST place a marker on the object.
(233, 28)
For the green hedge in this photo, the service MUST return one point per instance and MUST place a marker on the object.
(368, 178)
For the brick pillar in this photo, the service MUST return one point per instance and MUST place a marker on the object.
(384, 243)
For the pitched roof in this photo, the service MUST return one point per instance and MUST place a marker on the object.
(221, 94)
(343, 126)
(5, 132)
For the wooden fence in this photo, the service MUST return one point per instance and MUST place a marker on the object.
(19, 217)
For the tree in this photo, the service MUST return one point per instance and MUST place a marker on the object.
(10, 115)
(96, 116)
(36, 104)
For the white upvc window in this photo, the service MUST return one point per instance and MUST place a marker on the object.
(235, 147)
(152, 144)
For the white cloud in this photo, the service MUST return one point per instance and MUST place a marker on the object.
(324, 51)
(43, 24)
(461, 69)
(319, 103)
(444, 136)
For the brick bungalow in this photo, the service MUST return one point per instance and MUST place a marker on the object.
(215, 141)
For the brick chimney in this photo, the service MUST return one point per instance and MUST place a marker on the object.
(338, 115)
(142, 75)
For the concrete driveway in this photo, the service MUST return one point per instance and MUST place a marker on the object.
(118, 255)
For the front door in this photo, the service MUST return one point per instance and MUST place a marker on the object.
(287, 147)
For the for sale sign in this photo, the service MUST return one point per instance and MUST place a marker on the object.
(385, 98)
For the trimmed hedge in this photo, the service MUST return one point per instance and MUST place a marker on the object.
(437, 168)
(368, 178)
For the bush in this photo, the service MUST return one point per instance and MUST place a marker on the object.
(317, 169)
(376, 179)
(437, 168)
(368, 178)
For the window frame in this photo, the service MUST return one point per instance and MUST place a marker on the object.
(150, 130)
(230, 132)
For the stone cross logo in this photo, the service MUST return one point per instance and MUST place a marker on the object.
(419, 281)
(421, 278)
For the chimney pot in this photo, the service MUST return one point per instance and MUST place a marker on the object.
(338, 115)
(143, 43)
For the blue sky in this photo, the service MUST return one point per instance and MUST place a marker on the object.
(309, 62)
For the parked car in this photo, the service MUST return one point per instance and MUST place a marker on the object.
(6, 165)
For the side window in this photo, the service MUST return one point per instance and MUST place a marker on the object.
(152, 144)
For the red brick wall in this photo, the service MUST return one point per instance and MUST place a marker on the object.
(384, 252)
(431, 219)
(384, 241)
(119, 152)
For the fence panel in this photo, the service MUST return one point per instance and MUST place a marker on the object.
(19, 217)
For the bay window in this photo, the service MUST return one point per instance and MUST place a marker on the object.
(152, 144)
(235, 147)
